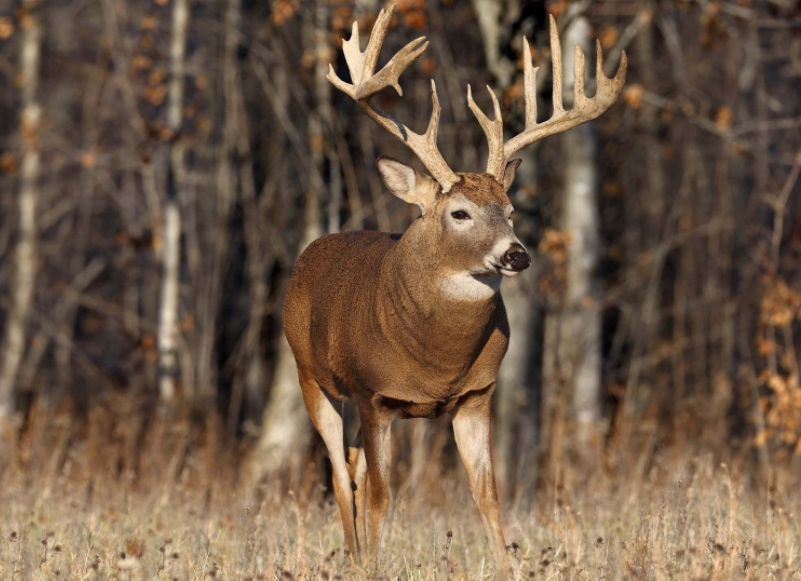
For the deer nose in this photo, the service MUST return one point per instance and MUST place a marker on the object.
(516, 258)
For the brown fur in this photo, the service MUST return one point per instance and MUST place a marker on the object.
(368, 325)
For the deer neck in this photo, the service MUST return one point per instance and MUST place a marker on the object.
(428, 304)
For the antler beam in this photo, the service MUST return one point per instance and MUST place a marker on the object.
(365, 84)
(584, 109)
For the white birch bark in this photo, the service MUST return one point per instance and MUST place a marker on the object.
(26, 252)
(171, 258)
(580, 333)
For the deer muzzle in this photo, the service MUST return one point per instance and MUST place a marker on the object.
(516, 258)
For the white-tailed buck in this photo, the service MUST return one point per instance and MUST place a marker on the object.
(413, 326)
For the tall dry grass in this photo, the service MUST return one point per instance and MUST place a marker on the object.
(129, 493)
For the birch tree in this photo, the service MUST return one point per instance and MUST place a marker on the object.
(26, 258)
(574, 331)
(171, 257)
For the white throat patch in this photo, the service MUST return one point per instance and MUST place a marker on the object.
(464, 286)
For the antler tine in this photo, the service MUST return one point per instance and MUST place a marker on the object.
(353, 54)
(556, 59)
(433, 123)
(366, 84)
(362, 64)
(530, 86)
(579, 70)
(584, 109)
(494, 132)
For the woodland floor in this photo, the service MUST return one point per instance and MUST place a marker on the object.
(694, 521)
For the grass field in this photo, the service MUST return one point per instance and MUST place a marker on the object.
(695, 520)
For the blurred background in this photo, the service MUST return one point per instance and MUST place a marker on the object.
(163, 163)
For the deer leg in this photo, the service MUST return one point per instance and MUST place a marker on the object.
(358, 472)
(326, 415)
(472, 426)
(377, 448)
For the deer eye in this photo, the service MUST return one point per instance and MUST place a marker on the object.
(460, 215)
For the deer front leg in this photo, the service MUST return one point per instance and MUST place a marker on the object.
(472, 426)
(378, 449)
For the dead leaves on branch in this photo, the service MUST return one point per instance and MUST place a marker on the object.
(6, 28)
(554, 246)
(780, 405)
(284, 10)
(633, 95)
(780, 390)
(780, 303)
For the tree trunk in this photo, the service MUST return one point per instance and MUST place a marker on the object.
(211, 294)
(578, 339)
(516, 409)
(286, 423)
(26, 252)
(171, 257)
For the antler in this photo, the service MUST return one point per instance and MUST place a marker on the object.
(366, 84)
(584, 109)
(494, 132)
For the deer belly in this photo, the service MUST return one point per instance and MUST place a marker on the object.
(412, 409)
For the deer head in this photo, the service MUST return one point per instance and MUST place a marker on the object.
(468, 215)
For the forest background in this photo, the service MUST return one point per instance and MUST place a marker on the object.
(163, 163)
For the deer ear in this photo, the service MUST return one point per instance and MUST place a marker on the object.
(509, 173)
(407, 183)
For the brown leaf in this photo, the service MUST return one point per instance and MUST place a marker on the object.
(608, 37)
(723, 118)
(156, 77)
(283, 10)
(140, 63)
(307, 60)
(155, 95)
(556, 8)
(8, 163)
(416, 20)
(6, 28)
(25, 20)
(88, 159)
(149, 23)
(612, 189)
(633, 95)
(148, 341)
(428, 66)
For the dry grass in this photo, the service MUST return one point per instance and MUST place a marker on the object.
(699, 523)
(78, 511)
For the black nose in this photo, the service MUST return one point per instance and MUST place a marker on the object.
(516, 258)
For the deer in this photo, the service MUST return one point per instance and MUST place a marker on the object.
(414, 325)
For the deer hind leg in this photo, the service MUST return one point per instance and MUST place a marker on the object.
(326, 415)
(377, 449)
(358, 472)
(472, 428)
